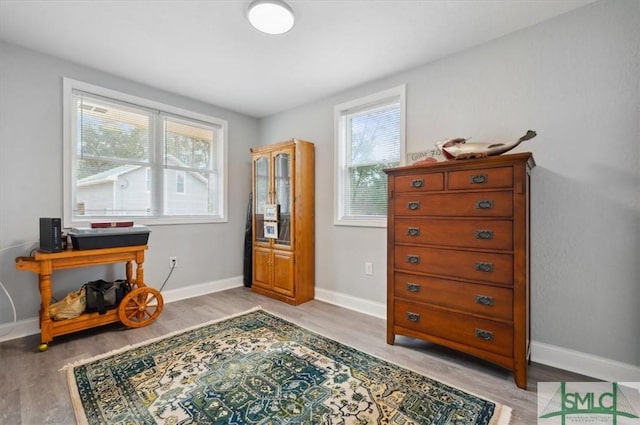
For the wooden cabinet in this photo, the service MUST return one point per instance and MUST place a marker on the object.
(284, 221)
(458, 257)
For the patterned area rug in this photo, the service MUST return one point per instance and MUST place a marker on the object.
(257, 368)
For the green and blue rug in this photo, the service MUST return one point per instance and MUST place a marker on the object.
(257, 368)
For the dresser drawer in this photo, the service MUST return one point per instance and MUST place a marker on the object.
(489, 234)
(491, 301)
(475, 204)
(480, 266)
(480, 333)
(419, 183)
(488, 178)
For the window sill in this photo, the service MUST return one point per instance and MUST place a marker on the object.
(149, 221)
(361, 223)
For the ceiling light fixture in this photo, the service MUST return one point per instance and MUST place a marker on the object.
(271, 16)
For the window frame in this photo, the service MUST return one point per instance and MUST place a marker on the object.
(342, 149)
(69, 138)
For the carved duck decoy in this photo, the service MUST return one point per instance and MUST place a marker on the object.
(459, 149)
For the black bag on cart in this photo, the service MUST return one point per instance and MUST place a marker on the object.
(102, 295)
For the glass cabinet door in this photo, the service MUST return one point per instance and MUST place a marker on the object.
(261, 195)
(283, 194)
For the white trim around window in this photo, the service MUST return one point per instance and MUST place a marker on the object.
(156, 160)
(344, 213)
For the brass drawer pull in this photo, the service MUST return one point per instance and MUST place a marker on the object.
(484, 267)
(482, 334)
(413, 287)
(484, 300)
(484, 234)
(484, 204)
(413, 317)
(417, 183)
(413, 259)
(413, 205)
(413, 231)
(479, 179)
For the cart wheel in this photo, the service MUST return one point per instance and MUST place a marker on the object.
(140, 307)
(42, 347)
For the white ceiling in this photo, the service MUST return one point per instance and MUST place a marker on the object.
(207, 50)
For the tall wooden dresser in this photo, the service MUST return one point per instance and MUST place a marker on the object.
(458, 257)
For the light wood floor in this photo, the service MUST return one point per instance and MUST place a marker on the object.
(34, 391)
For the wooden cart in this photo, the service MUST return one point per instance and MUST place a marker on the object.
(138, 308)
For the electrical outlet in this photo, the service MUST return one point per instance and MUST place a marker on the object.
(173, 262)
(368, 269)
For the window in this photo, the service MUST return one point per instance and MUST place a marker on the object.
(134, 158)
(369, 138)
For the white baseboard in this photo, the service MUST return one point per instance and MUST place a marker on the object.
(550, 355)
(19, 329)
(201, 289)
(583, 363)
(352, 303)
(31, 326)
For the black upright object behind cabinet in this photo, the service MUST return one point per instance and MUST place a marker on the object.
(248, 246)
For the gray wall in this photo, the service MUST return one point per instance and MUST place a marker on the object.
(574, 80)
(31, 183)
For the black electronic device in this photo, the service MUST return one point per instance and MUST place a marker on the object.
(50, 234)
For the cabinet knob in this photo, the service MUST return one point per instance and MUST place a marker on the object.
(413, 259)
(413, 205)
(484, 234)
(484, 300)
(413, 231)
(478, 179)
(413, 287)
(484, 334)
(484, 267)
(484, 204)
(417, 183)
(413, 317)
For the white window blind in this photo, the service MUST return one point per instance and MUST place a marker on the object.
(373, 144)
(113, 145)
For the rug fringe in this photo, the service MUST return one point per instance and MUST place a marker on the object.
(76, 403)
(502, 415)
